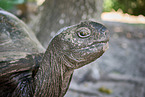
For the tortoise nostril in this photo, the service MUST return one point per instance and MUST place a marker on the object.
(103, 29)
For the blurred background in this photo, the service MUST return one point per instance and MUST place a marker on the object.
(120, 72)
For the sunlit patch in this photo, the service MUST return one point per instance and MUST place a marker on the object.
(119, 16)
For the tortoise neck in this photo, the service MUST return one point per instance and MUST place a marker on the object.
(51, 79)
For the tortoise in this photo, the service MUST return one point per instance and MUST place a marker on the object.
(29, 70)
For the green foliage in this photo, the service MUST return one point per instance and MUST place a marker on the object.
(111, 4)
(9, 4)
(135, 7)
(5, 5)
(108, 5)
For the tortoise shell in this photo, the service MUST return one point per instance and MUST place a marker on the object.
(16, 42)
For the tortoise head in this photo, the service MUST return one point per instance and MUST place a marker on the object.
(82, 43)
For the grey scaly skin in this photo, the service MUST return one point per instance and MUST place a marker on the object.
(49, 74)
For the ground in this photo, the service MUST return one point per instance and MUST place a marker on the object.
(121, 68)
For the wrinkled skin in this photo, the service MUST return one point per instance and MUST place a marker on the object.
(83, 43)
(26, 71)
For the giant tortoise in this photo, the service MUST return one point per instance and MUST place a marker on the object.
(28, 70)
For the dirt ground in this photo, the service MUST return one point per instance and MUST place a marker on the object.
(120, 72)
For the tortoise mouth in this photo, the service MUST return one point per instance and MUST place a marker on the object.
(98, 42)
(94, 47)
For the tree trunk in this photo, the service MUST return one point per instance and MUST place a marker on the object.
(57, 14)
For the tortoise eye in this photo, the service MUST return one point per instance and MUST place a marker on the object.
(83, 32)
